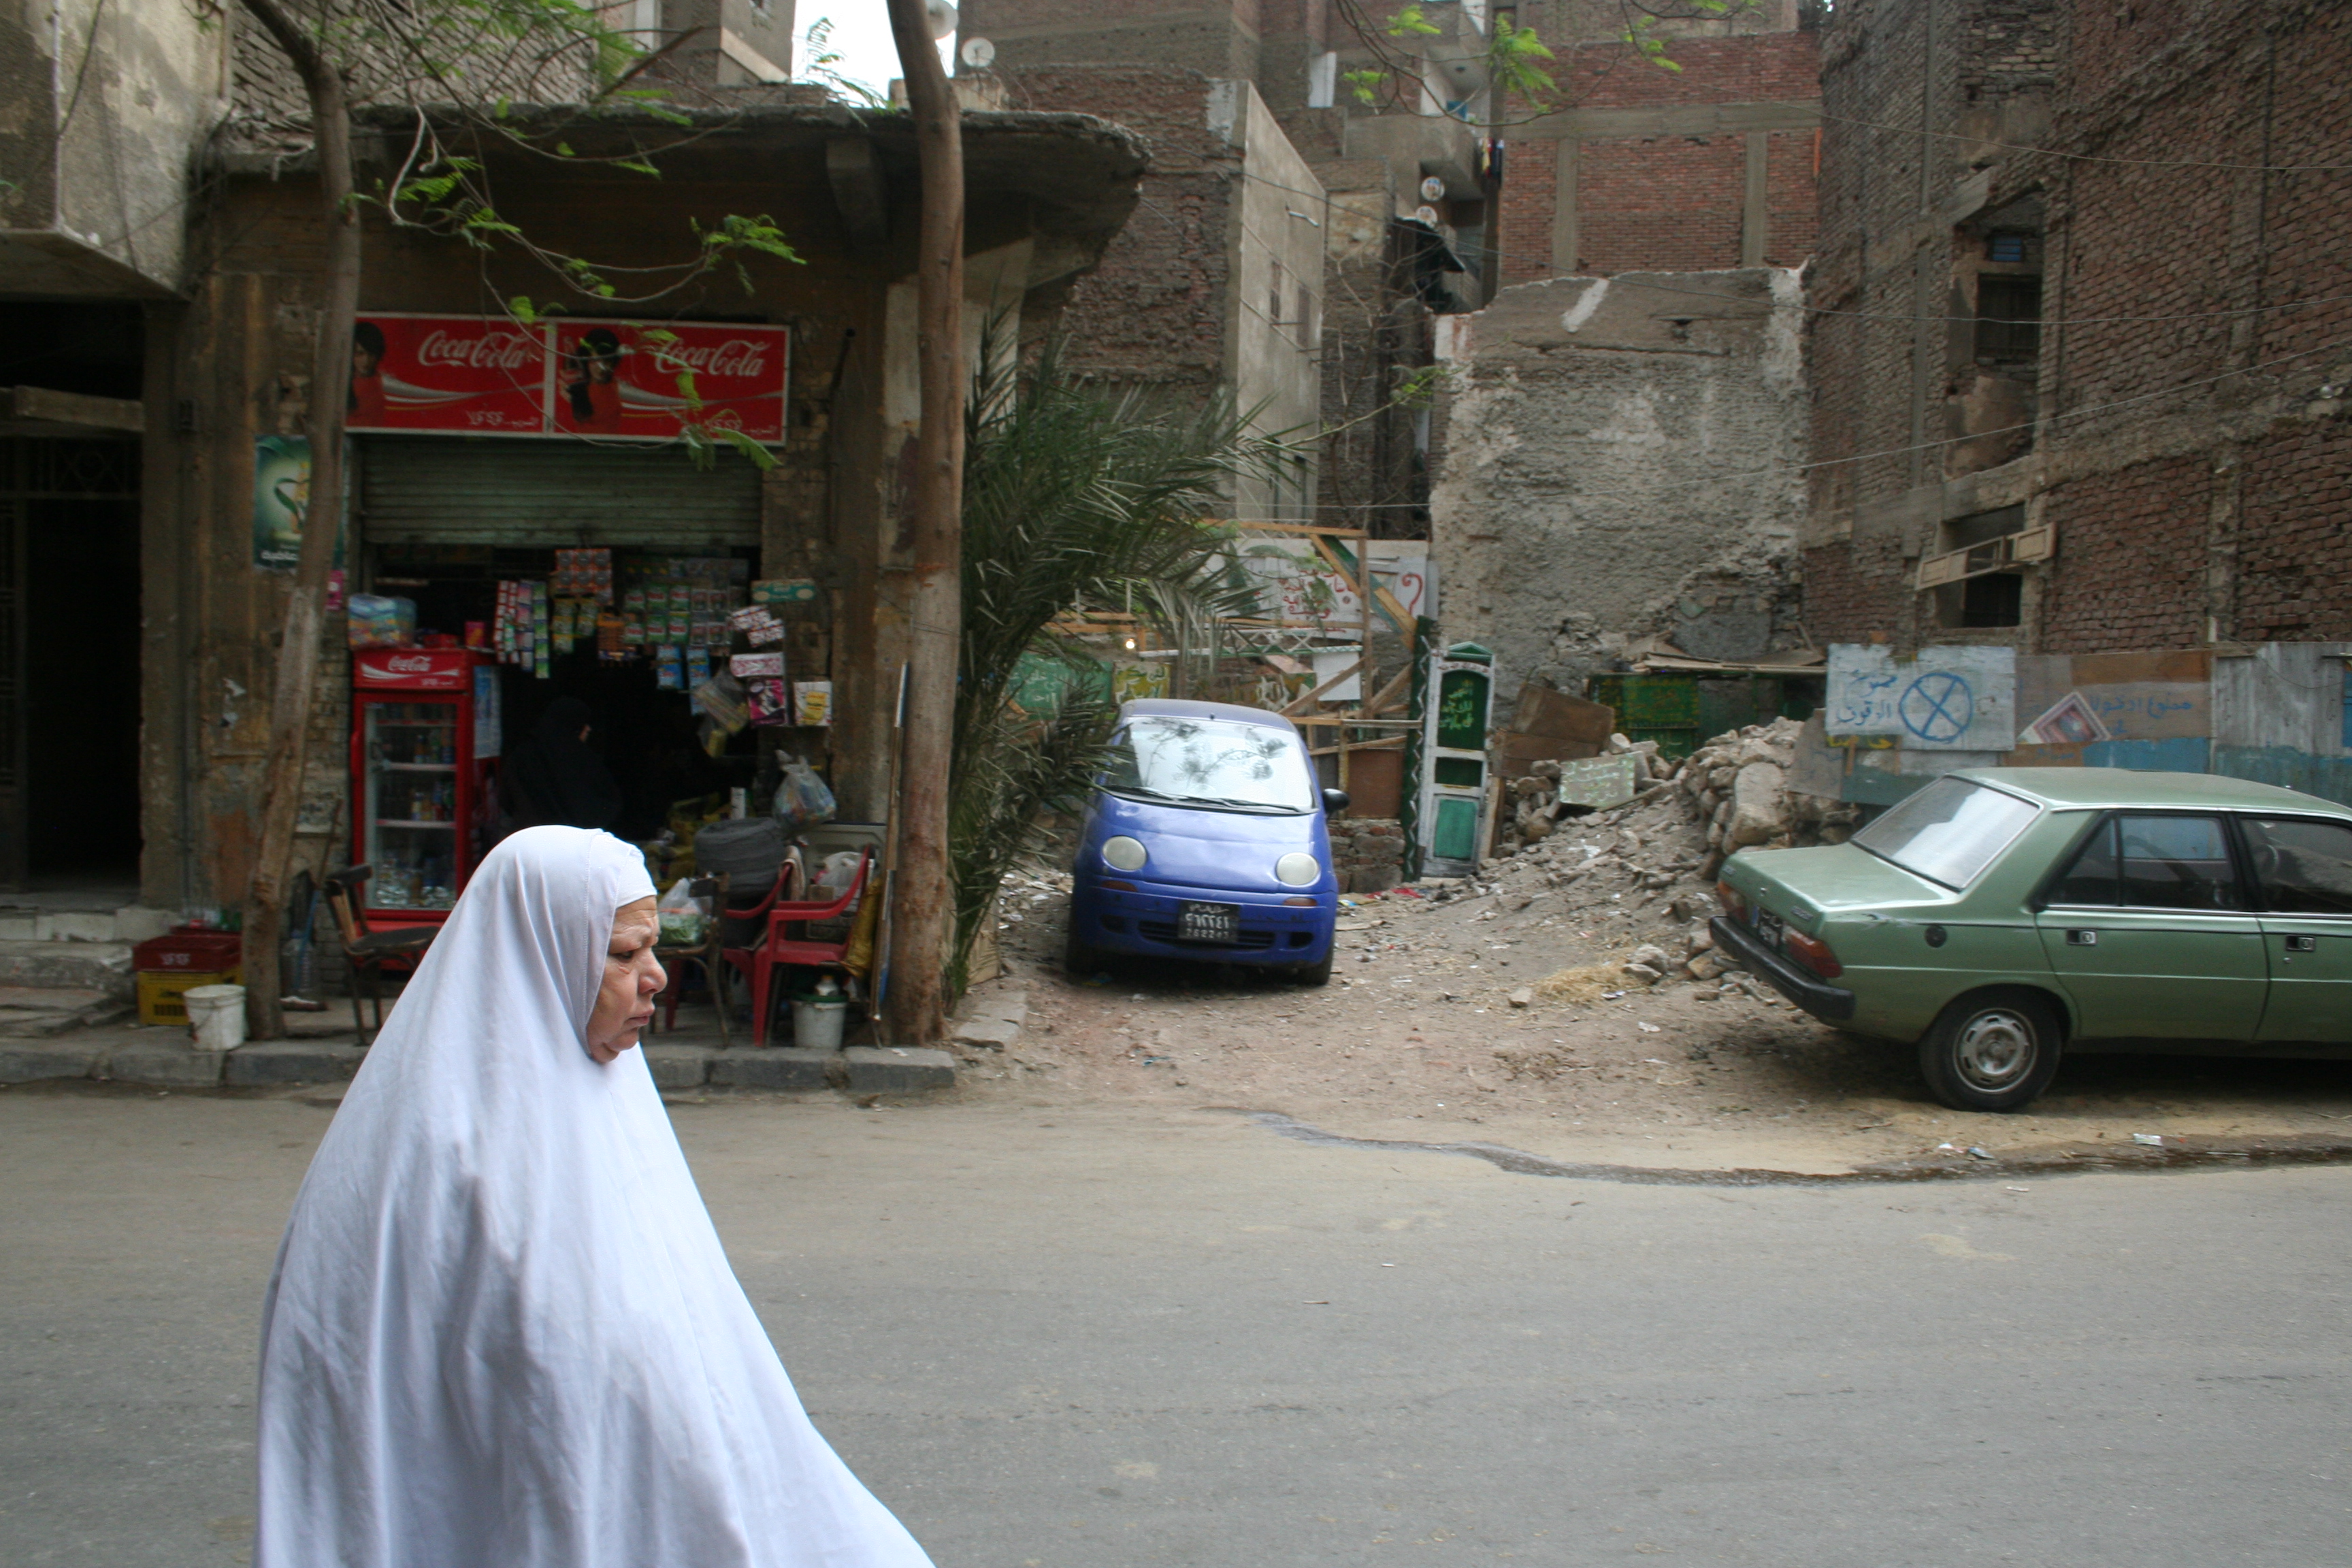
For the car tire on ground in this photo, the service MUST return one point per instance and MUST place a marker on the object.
(1992, 1050)
(1079, 961)
(1317, 973)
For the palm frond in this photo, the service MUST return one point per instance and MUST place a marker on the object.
(1075, 499)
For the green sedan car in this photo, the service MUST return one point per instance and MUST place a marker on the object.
(2002, 915)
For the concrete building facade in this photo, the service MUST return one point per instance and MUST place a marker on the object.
(1621, 464)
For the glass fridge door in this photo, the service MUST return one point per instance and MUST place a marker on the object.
(411, 803)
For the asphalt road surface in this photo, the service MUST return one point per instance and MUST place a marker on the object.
(1091, 1338)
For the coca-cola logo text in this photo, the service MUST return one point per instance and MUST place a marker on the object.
(489, 351)
(744, 357)
(415, 664)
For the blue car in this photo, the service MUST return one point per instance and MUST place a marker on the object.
(1205, 840)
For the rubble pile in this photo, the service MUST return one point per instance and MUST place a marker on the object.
(1643, 873)
(1367, 853)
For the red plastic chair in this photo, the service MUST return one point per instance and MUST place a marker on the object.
(782, 948)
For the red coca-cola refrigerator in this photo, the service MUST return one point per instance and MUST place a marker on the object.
(425, 749)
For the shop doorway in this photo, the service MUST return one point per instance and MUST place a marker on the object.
(69, 663)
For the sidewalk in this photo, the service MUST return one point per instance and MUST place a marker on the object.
(323, 1048)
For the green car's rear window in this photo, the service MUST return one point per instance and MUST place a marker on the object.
(1948, 832)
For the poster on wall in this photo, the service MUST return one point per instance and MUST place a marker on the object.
(638, 381)
(281, 500)
(483, 375)
(1948, 698)
(281, 505)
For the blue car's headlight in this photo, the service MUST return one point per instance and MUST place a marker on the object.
(1297, 869)
(1124, 854)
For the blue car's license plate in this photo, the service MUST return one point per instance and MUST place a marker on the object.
(1209, 922)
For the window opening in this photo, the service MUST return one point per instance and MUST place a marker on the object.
(2009, 320)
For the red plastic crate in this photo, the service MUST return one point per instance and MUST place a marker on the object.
(192, 948)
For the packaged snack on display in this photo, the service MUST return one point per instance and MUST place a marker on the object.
(379, 622)
(669, 669)
(698, 666)
(771, 703)
(753, 666)
(812, 702)
(783, 590)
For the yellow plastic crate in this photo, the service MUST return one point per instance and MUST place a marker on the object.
(160, 991)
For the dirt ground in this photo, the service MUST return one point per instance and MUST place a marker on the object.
(1417, 1039)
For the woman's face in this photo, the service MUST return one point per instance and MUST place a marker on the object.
(632, 981)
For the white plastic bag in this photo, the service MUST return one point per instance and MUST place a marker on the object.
(802, 801)
(682, 915)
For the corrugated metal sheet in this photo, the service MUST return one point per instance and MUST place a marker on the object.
(444, 490)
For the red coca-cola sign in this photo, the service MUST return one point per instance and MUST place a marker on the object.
(485, 375)
(491, 376)
(414, 668)
(649, 382)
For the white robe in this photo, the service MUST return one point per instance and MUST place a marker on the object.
(502, 1332)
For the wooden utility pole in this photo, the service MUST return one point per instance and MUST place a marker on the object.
(297, 678)
(922, 908)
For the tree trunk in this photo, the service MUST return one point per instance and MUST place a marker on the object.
(296, 677)
(922, 906)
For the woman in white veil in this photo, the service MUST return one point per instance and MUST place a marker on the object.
(502, 1332)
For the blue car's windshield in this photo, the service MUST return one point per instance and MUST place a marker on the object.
(1213, 762)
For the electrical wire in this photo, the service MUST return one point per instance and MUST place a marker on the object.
(1716, 476)
(2095, 157)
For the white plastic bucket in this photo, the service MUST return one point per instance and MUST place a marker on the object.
(817, 1021)
(215, 1017)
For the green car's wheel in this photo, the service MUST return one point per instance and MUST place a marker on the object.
(1992, 1050)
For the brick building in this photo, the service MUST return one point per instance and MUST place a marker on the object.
(2163, 461)
(1646, 170)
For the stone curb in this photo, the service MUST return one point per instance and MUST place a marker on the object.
(292, 1062)
(898, 1069)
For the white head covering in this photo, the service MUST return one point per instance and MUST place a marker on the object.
(503, 1330)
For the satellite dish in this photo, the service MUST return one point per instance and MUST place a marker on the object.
(1427, 215)
(942, 16)
(978, 52)
(1432, 189)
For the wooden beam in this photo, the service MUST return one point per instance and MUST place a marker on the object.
(1298, 704)
(1388, 694)
(1308, 528)
(39, 403)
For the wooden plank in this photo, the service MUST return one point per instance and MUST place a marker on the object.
(1298, 704)
(1543, 711)
(1387, 695)
(1307, 528)
(1514, 753)
(1394, 742)
(77, 408)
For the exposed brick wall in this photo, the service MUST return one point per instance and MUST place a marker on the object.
(2197, 473)
(1666, 202)
(1660, 203)
(2134, 574)
(1153, 312)
(2294, 551)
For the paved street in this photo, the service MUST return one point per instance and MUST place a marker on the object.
(1078, 1338)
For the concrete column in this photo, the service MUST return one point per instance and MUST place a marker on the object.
(1564, 209)
(1755, 215)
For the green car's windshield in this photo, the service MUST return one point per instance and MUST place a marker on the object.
(1948, 832)
(1212, 761)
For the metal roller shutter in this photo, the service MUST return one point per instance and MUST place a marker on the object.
(433, 489)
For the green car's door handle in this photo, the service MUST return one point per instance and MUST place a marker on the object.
(2302, 945)
(2082, 938)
